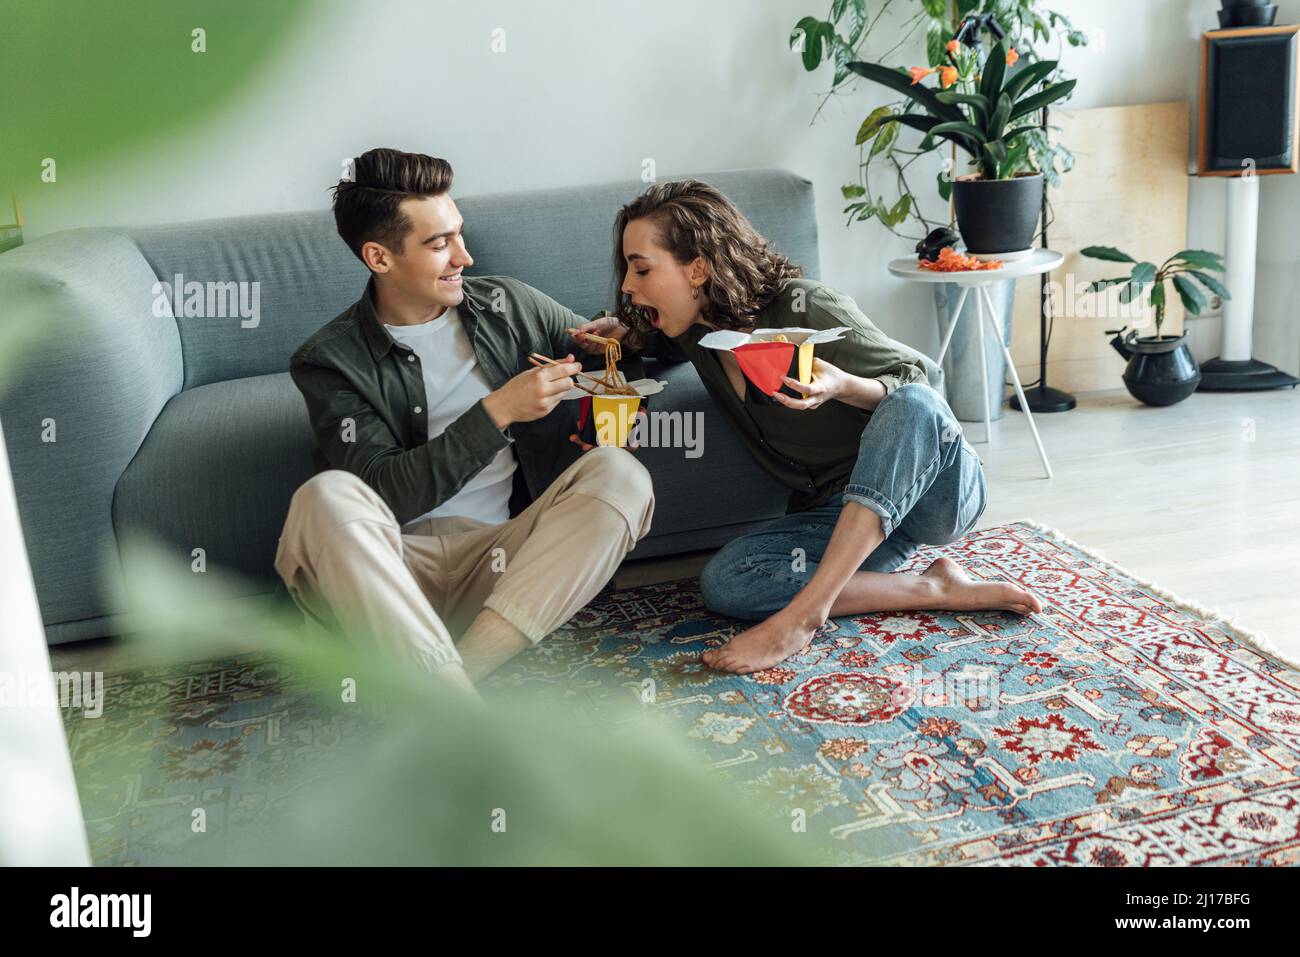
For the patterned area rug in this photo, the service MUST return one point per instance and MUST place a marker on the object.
(1119, 726)
(1116, 727)
(234, 737)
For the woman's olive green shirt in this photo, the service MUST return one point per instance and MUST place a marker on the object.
(810, 451)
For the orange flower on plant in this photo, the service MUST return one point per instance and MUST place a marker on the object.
(952, 47)
(948, 76)
(919, 73)
(1012, 57)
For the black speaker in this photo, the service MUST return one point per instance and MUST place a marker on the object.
(1250, 112)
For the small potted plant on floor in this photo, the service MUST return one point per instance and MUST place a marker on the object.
(989, 115)
(1161, 370)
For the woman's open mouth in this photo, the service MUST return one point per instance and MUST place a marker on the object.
(653, 315)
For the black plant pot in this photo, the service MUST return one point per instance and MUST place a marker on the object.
(1247, 13)
(1160, 371)
(998, 215)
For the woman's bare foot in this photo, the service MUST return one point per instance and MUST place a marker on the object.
(784, 634)
(957, 591)
(790, 630)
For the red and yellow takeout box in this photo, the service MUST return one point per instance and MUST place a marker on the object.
(608, 418)
(764, 355)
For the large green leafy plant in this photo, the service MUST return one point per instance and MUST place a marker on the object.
(849, 29)
(988, 115)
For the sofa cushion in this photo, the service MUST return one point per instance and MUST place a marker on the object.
(217, 472)
(719, 488)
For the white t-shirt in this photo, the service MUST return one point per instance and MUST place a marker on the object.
(453, 382)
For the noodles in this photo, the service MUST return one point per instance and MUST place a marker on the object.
(613, 380)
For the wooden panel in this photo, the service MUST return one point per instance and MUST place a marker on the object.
(1128, 189)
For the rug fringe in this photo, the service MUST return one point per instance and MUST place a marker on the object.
(1227, 622)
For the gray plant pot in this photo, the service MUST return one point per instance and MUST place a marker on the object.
(961, 364)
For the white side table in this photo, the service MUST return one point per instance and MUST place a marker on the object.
(1042, 260)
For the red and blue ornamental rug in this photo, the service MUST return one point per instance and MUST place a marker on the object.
(1120, 726)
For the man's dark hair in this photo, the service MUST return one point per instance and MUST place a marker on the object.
(367, 207)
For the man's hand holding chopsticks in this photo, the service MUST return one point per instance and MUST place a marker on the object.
(533, 394)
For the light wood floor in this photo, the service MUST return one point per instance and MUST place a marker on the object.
(1202, 498)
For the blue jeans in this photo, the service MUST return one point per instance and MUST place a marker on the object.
(914, 469)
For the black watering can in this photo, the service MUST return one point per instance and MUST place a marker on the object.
(1160, 371)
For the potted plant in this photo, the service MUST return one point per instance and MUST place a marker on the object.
(886, 187)
(892, 171)
(1160, 370)
(1246, 13)
(983, 114)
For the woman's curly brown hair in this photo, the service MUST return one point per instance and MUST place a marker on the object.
(694, 219)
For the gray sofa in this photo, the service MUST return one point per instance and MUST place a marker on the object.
(190, 430)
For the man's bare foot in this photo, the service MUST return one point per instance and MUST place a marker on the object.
(784, 634)
(957, 591)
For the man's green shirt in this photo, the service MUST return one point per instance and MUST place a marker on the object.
(363, 389)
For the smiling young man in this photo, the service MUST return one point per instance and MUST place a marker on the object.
(453, 502)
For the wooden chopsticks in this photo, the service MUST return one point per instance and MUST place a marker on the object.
(537, 359)
(619, 378)
(603, 340)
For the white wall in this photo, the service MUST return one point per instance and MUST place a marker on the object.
(587, 89)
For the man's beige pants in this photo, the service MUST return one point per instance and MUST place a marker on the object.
(351, 567)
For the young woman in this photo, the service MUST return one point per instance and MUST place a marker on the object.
(874, 458)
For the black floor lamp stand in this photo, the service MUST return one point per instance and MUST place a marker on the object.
(1042, 397)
